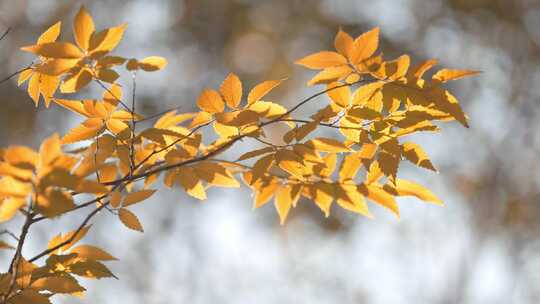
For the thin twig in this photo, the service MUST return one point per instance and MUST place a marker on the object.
(15, 74)
(11, 234)
(5, 33)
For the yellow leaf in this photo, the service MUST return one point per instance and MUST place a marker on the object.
(215, 174)
(190, 181)
(239, 118)
(445, 75)
(419, 70)
(109, 61)
(51, 34)
(349, 167)
(58, 285)
(76, 82)
(49, 150)
(260, 90)
(389, 164)
(60, 239)
(365, 46)
(93, 253)
(210, 101)
(416, 155)
(116, 126)
(55, 50)
(29, 296)
(344, 43)
(331, 74)
(83, 28)
(58, 66)
(398, 68)
(264, 192)
(267, 109)
(349, 198)
(152, 63)
(261, 166)
(116, 199)
(24, 76)
(323, 194)
(47, 86)
(255, 153)
(9, 207)
(322, 60)
(113, 95)
(90, 269)
(106, 40)
(136, 197)
(286, 197)
(54, 203)
(129, 219)
(339, 93)
(33, 88)
(21, 156)
(378, 195)
(231, 90)
(80, 133)
(107, 75)
(328, 145)
(374, 173)
(405, 187)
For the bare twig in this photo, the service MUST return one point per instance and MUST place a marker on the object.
(5, 33)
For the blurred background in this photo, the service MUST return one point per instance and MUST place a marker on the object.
(483, 247)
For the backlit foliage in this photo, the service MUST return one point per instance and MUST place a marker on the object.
(372, 105)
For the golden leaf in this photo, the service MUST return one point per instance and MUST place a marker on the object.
(152, 63)
(328, 145)
(9, 207)
(64, 50)
(210, 101)
(445, 75)
(365, 46)
(51, 34)
(215, 174)
(322, 60)
(260, 90)
(331, 74)
(231, 90)
(344, 43)
(83, 28)
(416, 155)
(58, 285)
(106, 40)
(405, 187)
(190, 181)
(129, 219)
(286, 197)
(93, 253)
(76, 82)
(379, 196)
(136, 197)
(340, 94)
